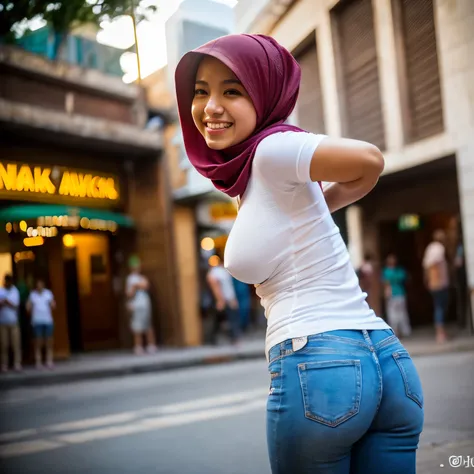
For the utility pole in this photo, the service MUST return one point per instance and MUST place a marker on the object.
(136, 42)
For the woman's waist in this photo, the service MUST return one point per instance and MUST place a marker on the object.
(354, 339)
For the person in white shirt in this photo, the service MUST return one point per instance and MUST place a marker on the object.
(222, 287)
(436, 272)
(9, 329)
(344, 393)
(139, 306)
(40, 305)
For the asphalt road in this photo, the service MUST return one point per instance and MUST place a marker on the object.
(208, 420)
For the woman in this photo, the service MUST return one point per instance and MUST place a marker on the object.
(327, 411)
(139, 305)
(226, 305)
(394, 280)
(40, 305)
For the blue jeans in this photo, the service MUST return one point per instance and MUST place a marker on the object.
(43, 331)
(348, 402)
(440, 303)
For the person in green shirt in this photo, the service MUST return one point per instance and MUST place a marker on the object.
(394, 278)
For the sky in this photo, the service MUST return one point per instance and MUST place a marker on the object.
(151, 38)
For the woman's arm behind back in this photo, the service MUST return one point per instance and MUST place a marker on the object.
(352, 166)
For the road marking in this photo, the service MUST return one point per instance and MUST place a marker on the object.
(214, 408)
(28, 447)
(158, 423)
(124, 417)
(17, 435)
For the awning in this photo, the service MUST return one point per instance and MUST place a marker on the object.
(33, 211)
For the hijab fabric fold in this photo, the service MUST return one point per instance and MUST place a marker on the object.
(271, 77)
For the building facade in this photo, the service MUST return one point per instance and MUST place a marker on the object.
(83, 186)
(199, 211)
(395, 73)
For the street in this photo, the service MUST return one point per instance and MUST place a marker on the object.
(205, 420)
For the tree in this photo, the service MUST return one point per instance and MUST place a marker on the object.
(64, 15)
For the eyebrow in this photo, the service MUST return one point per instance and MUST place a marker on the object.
(226, 81)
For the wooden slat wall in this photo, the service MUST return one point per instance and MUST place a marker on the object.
(420, 58)
(310, 101)
(356, 57)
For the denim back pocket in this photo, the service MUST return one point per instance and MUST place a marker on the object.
(331, 390)
(410, 376)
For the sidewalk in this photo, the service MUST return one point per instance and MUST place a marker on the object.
(120, 363)
(446, 457)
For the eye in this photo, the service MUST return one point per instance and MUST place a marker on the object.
(200, 92)
(232, 92)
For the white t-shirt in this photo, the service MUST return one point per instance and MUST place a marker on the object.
(141, 299)
(9, 315)
(435, 253)
(284, 241)
(41, 307)
(225, 280)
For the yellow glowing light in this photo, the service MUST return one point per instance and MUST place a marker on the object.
(54, 231)
(68, 241)
(29, 232)
(8, 227)
(33, 241)
(207, 243)
(25, 255)
(214, 261)
(36, 179)
(23, 226)
(85, 223)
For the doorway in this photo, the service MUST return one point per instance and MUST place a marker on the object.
(73, 305)
(409, 247)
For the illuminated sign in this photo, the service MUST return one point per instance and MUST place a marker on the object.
(26, 180)
(409, 222)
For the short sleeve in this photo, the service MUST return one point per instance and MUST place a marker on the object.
(434, 254)
(285, 157)
(14, 297)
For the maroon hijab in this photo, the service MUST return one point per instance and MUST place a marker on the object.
(271, 77)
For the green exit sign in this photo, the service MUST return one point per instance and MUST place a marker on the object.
(409, 222)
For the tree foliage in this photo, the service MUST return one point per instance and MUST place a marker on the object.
(63, 15)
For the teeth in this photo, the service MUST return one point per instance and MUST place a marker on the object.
(216, 126)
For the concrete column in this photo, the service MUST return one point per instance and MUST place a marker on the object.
(388, 73)
(355, 230)
(454, 21)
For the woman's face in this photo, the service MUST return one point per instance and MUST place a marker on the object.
(222, 110)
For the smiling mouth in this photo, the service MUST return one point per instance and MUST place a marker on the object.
(218, 126)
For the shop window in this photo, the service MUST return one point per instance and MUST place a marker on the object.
(419, 76)
(309, 109)
(357, 71)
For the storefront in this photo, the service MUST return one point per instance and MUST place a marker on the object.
(400, 216)
(66, 224)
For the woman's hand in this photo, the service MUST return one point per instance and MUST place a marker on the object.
(353, 166)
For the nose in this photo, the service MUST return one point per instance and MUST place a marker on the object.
(213, 107)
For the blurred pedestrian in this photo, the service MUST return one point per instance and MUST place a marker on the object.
(40, 305)
(328, 410)
(394, 278)
(244, 300)
(139, 306)
(437, 281)
(367, 275)
(226, 305)
(10, 336)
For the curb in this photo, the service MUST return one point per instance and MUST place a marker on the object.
(53, 378)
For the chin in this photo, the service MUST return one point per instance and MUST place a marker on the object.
(215, 145)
